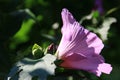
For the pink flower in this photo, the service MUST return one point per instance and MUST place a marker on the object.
(79, 48)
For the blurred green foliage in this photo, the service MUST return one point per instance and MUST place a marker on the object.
(25, 22)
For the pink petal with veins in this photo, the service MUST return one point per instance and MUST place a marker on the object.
(80, 48)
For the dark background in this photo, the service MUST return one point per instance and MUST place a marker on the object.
(25, 22)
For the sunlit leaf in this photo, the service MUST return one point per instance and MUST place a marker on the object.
(27, 69)
(103, 30)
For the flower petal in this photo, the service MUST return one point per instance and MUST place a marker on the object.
(78, 61)
(105, 68)
(67, 17)
(80, 48)
(94, 64)
(79, 40)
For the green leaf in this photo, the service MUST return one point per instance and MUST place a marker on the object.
(103, 30)
(30, 13)
(112, 10)
(48, 37)
(27, 12)
(28, 69)
(96, 14)
(87, 17)
(37, 51)
(22, 35)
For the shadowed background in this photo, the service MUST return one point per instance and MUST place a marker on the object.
(25, 22)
